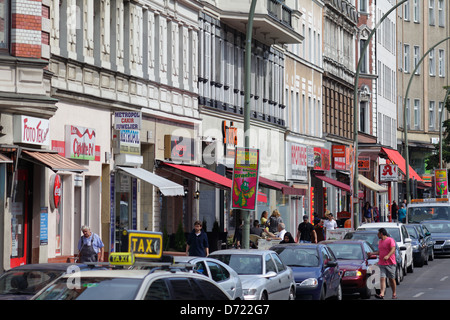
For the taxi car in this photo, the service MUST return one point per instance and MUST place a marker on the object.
(154, 284)
(264, 276)
(428, 209)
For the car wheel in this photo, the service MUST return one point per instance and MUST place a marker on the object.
(431, 258)
(426, 258)
(410, 269)
(398, 276)
(292, 294)
(339, 292)
(264, 296)
(322, 293)
(366, 293)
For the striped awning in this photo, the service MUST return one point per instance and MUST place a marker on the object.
(53, 161)
(4, 159)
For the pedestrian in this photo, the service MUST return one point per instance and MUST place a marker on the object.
(263, 219)
(274, 220)
(256, 229)
(320, 233)
(376, 214)
(394, 211)
(287, 238)
(197, 242)
(90, 246)
(329, 224)
(305, 232)
(237, 238)
(402, 213)
(386, 262)
(367, 213)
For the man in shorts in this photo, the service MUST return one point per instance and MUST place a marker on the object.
(386, 263)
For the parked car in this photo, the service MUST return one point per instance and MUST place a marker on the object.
(316, 270)
(354, 263)
(22, 282)
(397, 231)
(263, 274)
(133, 285)
(426, 234)
(419, 246)
(440, 233)
(217, 271)
(371, 236)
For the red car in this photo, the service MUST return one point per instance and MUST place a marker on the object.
(354, 262)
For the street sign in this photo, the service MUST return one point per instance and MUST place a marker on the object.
(388, 172)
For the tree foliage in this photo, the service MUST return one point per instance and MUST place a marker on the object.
(432, 161)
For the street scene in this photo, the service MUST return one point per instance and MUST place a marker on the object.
(224, 150)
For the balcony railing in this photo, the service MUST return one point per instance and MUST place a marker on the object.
(279, 11)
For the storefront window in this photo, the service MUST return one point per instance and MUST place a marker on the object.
(126, 207)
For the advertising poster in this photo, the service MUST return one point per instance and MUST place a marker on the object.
(245, 179)
(441, 182)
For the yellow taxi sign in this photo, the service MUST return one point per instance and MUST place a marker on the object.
(121, 258)
(145, 244)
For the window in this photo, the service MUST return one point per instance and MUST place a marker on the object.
(158, 291)
(441, 15)
(441, 66)
(431, 18)
(416, 58)
(270, 265)
(363, 5)
(432, 63)
(4, 25)
(218, 273)
(417, 113)
(363, 58)
(432, 115)
(281, 267)
(407, 10)
(406, 63)
(416, 10)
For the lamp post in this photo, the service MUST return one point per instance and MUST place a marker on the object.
(247, 108)
(356, 113)
(405, 124)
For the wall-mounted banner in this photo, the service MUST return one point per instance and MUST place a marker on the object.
(388, 172)
(178, 148)
(296, 157)
(441, 182)
(245, 179)
(31, 130)
(80, 143)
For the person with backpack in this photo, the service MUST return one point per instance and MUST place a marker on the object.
(274, 220)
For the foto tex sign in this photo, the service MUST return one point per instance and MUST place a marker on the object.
(31, 130)
(245, 179)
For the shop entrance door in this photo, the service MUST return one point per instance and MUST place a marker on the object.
(20, 218)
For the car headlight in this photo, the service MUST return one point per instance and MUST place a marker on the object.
(249, 292)
(310, 283)
(353, 273)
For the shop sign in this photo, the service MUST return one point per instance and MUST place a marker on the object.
(130, 142)
(310, 156)
(388, 172)
(43, 226)
(321, 159)
(341, 157)
(80, 143)
(229, 138)
(245, 179)
(31, 130)
(127, 120)
(441, 182)
(55, 191)
(145, 244)
(364, 164)
(178, 148)
(297, 168)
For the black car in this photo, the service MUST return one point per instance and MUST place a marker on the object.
(426, 234)
(371, 236)
(440, 233)
(21, 283)
(419, 246)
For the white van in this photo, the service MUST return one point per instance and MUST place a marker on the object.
(397, 231)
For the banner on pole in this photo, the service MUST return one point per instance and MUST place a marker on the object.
(245, 179)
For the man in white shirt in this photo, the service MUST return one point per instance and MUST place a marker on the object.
(329, 224)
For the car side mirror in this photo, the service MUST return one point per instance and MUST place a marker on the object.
(407, 240)
(270, 274)
(372, 256)
(331, 264)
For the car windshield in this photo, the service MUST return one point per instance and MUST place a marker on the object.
(371, 238)
(298, 257)
(243, 264)
(92, 289)
(26, 281)
(347, 251)
(412, 232)
(418, 214)
(439, 227)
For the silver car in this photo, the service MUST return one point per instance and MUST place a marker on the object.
(217, 271)
(263, 274)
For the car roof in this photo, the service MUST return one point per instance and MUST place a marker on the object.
(46, 266)
(297, 245)
(124, 273)
(360, 241)
(435, 221)
(381, 225)
(242, 251)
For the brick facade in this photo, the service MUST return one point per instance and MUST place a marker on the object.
(26, 28)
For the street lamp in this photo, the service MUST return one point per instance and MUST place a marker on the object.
(356, 113)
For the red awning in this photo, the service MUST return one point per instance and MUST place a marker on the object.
(397, 159)
(205, 174)
(333, 182)
(284, 188)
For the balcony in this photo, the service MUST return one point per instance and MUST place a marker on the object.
(274, 21)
